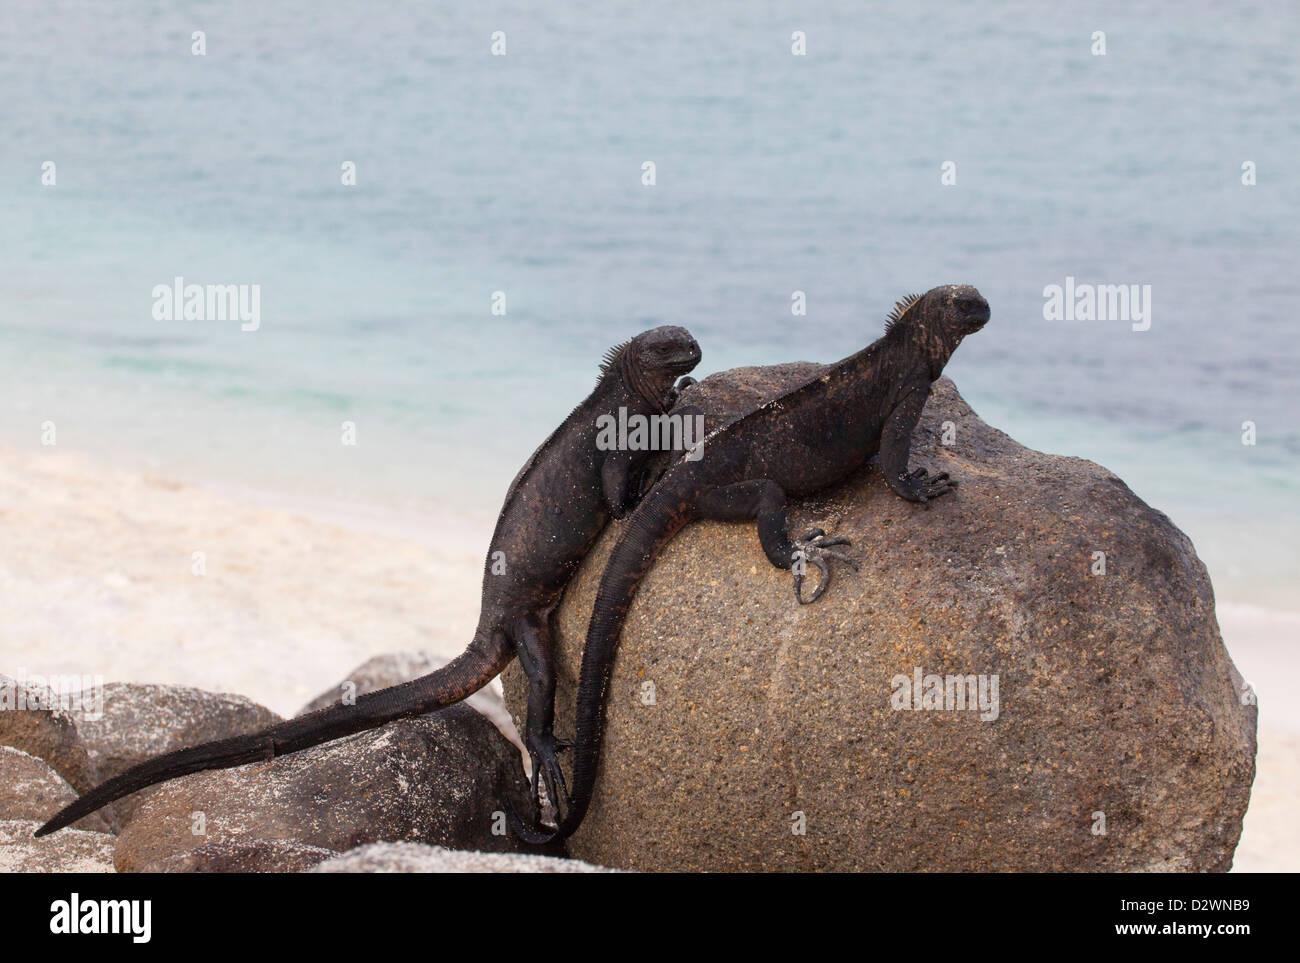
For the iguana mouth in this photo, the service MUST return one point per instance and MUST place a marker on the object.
(689, 361)
(975, 317)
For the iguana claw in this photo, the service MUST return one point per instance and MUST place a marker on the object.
(815, 548)
(548, 772)
(921, 486)
(675, 392)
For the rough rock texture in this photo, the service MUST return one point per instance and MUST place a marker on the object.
(1116, 693)
(397, 667)
(30, 789)
(139, 721)
(244, 856)
(47, 733)
(417, 858)
(438, 779)
(69, 851)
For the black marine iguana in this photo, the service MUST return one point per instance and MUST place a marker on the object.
(553, 512)
(802, 441)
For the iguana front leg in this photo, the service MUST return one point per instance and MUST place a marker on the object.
(675, 392)
(627, 477)
(764, 500)
(895, 447)
(620, 479)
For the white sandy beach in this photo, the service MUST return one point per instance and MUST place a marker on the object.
(97, 577)
(1264, 645)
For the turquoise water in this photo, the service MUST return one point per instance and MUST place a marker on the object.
(522, 174)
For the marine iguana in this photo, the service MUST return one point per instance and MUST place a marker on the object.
(800, 442)
(554, 510)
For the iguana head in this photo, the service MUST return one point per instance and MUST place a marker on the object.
(937, 320)
(653, 361)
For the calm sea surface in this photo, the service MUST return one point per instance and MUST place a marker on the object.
(774, 173)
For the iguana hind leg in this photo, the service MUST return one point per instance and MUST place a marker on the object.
(537, 658)
(764, 500)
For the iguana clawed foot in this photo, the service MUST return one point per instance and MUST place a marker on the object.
(544, 752)
(920, 486)
(815, 548)
(675, 392)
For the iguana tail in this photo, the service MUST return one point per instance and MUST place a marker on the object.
(482, 661)
(652, 526)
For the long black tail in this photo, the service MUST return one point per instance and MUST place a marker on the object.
(482, 661)
(651, 527)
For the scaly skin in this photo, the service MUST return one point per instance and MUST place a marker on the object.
(553, 512)
(805, 440)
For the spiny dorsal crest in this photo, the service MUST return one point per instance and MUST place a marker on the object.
(608, 362)
(901, 308)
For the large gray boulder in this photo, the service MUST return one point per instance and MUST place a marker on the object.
(439, 779)
(747, 732)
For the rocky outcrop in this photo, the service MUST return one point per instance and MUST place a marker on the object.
(747, 732)
(417, 858)
(436, 779)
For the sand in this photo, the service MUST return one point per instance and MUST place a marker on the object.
(1265, 645)
(98, 577)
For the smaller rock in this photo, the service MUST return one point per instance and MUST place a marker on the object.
(438, 779)
(392, 669)
(138, 722)
(31, 721)
(418, 858)
(244, 856)
(31, 789)
(68, 851)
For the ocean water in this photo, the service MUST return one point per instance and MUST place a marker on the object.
(522, 174)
